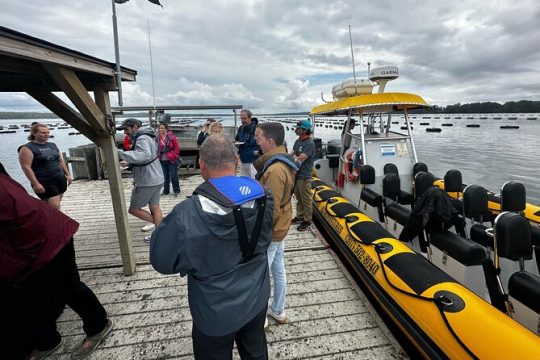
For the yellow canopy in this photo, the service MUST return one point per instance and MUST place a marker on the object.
(384, 102)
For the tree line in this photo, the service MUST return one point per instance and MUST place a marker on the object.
(523, 106)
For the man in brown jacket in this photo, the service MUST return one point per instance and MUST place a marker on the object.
(277, 171)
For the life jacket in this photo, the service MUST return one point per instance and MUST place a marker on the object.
(231, 192)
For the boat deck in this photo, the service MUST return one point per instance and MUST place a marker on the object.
(329, 318)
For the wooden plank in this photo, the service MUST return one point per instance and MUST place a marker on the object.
(75, 60)
(75, 91)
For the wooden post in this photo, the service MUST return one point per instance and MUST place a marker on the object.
(111, 163)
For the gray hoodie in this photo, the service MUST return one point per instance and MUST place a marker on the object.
(144, 152)
(199, 238)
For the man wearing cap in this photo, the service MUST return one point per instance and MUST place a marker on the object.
(147, 171)
(304, 153)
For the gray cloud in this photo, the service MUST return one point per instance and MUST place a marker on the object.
(279, 55)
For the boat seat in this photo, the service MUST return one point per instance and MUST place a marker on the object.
(479, 235)
(422, 181)
(535, 238)
(324, 195)
(475, 203)
(333, 161)
(342, 209)
(391, 186)
(513, 197)
(513, 241)
(317, 183)
(513, 236)
(404, 198)
(466, 252)
(372, 198)
(419, 166)
(398, 212)
(453, 182)
(525, 287)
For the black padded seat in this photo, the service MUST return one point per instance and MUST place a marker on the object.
(525, 287)
(513, 197)
(453, 181)
(367, 175)
(324, 195)
(317, 183)
(343, 209)
(391, 186)
(333, 161)
(478, 235)
(466, 252)
(475, 202)
(419, 166)
(390, 168)
(369, 231)
(398, 213)
(513, 236)
(405, 198)
(535, 237)
(371, 197)
(422, 181)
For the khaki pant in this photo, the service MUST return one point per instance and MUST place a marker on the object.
(302, 191)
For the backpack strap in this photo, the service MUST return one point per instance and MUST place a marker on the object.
(232, 192)
(286, 159)
(151, 161)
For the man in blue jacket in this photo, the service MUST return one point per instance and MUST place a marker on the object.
(248, 150)
(218, 238)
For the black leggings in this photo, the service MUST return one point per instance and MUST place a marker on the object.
(36, 303)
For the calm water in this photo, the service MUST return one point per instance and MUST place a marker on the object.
(487, 156)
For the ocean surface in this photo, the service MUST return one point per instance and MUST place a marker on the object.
(487, 156)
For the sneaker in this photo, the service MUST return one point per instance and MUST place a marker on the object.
(280, 318)
(38, 355)
(148, 227)
(164, 193)
(147, 239)
(303, 226)
(296, 219)
(90, 343)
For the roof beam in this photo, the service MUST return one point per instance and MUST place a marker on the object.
(65, 112)
(76, 92)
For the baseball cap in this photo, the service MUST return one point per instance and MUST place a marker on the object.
(129, 122)
(304, 124)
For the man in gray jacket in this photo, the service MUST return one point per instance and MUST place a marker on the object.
(147, 171)
(218, 238)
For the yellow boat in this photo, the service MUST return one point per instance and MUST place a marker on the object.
(467, 291)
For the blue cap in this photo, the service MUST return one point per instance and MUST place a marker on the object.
(304, 124)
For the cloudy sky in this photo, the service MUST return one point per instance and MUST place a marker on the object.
(278, 55)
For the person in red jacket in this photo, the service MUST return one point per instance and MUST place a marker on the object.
(39, 276)
(169, 157)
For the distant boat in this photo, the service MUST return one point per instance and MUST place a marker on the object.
(12, 127)
(532, 118)
(512, 118)
(433, 129)
(7, 131)
(473, 125)
(447, 124)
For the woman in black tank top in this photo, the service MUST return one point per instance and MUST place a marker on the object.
(44, 166)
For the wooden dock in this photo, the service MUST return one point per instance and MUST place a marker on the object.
(329, 317)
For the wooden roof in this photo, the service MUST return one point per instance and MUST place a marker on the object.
(23, 59)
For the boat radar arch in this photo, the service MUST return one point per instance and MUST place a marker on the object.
(382, 75)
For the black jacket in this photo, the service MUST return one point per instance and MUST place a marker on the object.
(224, 293)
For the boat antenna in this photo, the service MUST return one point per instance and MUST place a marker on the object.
(151, 64)
(352, 55)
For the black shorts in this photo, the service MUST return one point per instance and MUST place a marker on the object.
(53, 188)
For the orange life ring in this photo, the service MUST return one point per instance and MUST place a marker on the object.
(352, 176)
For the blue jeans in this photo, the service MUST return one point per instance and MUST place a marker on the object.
(276, 261)
(170, 174)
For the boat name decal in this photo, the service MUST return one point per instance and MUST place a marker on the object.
(371, 265)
